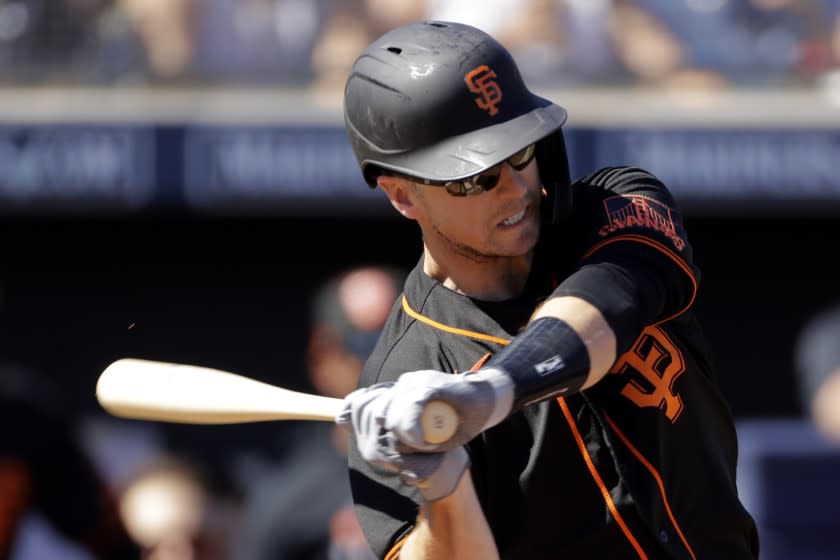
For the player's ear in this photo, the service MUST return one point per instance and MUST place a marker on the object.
(400, 194)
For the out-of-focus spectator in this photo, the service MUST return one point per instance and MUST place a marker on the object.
(829, 80)
(256, 42)
(835, 35)
(557, 43)
(383, 15)
(713, 43)
(165, 28)
(54, 41)
(348, 313)
(499, 18)
(540, 34)
(301, 509)
(350, 25)
(811, 21)
(300, 43)
(817, 368)
(587, 55)
(346, 27)
(648, 49)
(177, 512)
(45, 469)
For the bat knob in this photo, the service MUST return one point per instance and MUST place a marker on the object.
(439, 422)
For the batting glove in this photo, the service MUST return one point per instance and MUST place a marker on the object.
(389, 414)
(435, 475)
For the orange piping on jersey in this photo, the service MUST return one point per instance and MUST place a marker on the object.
(601, 486)
(481, 336)
(394, 553)
(482, 360)
(658, 479)
(660, 247)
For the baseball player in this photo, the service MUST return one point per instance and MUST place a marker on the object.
(555, 317)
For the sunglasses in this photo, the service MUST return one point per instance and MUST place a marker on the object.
(486, 180)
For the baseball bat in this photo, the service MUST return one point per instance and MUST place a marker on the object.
(189, 394)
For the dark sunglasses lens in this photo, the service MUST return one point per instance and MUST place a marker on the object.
(488, 180)
(522, 158)
(456, 188)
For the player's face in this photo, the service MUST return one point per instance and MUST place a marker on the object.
(502, 222)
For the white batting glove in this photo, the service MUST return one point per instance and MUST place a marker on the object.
(435, 474)
(387, 415)
(363, 414)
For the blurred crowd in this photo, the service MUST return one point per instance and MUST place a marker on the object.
(311, 43)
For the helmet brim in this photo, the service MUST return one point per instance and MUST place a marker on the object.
(465, 155)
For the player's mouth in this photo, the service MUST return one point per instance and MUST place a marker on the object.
(515, 219)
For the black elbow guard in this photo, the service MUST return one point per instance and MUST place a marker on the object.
(546, 359)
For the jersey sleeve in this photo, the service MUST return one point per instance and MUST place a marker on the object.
(633, 260)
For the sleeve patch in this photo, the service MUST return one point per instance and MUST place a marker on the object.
(634, 212)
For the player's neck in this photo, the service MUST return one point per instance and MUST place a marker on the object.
(494, 280)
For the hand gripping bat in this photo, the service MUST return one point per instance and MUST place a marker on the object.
(188, 394)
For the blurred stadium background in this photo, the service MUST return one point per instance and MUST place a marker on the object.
(175, 180)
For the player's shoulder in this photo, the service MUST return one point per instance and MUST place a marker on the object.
(622, 180)
(620, 177)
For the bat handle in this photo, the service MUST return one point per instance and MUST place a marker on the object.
(439, 422)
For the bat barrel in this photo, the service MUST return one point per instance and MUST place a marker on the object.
(169, 392)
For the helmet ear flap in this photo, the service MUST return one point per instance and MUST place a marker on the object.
(553, 163)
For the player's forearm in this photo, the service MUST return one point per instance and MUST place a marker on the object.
(592, 329)
(453, 528)
(567, 346)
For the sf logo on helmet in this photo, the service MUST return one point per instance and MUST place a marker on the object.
(480, 81)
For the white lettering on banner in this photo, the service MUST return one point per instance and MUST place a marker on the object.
(786, 164)
(268, 164)
(76, 163)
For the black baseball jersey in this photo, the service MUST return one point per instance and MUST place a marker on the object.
(641, 465)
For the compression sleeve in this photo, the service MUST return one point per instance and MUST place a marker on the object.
(546, 359)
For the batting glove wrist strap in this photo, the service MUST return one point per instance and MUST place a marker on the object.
(545, 360)
(502, 387)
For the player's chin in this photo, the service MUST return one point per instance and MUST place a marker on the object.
(520, 242)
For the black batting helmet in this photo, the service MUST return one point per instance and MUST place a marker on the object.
(444, 101)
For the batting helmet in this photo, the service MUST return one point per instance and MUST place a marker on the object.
(444, 101)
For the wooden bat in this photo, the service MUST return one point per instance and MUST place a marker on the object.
(188, 394)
